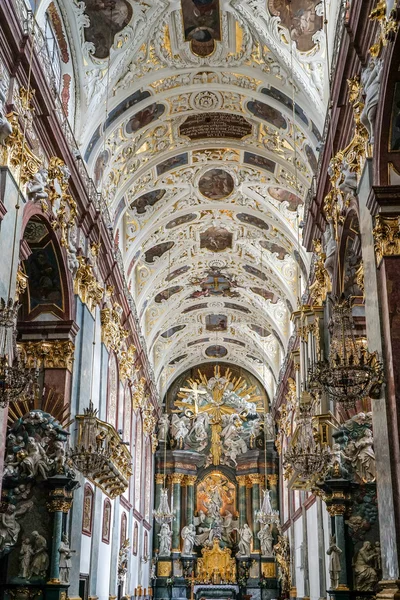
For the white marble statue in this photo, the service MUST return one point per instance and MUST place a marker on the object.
(40, 557)
(266, 540)
(35, 188)
(365, 459)
(245, 539)
(199, 431)
(25, 558)
(179, 429)
(5, 127)
(330, 247)
(163, 427)
(188, 535)
(348, 184)
(365, 574)
(65, 559)
(165, 536)
(9, 526)
(334, 553)
(371, 82)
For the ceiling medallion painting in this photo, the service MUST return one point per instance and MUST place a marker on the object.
(216, 184)
(215, 125)
(274, 248)
(263, 293)
(172, 163)
(216, 351)
(157, 251)
(180, 221)
(177, 273)
(252, 220)
(284, 196)
(149, 199)
(106, 20)
(301, 18)
(259, 161)
(144, 117)
(267, 113)
(201, 24)
(286, 101)
(172, 330)
(216, 239)
(216, 323)
(166, 294)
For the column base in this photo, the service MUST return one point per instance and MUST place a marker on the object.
(389, 589)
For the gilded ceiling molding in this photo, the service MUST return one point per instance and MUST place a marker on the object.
(86, 286)
(127, 363)
(113, 334)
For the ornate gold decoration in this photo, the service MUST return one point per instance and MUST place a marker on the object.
(58, 191)
(285, 412)
(256, 479)
(321, 286)
(51, 354)
(21, 283)
(241, 479)
(282, 556)
(336, 509)
(176, 478)
(387, 237)
(216, 565)
(164, 568)
(100, 455)
(112, 332)
(191, 479)
(24, 592)
(86, 285)
(127, 362)
(388, 27)
(138, 396)
(272, 478)
(160, 478)
(360, 278)
(59, 505)
(268, 569)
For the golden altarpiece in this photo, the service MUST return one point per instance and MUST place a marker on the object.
(216, 500)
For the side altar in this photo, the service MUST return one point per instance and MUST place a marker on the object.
(216, 499)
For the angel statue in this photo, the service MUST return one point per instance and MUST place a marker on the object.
(179, 429)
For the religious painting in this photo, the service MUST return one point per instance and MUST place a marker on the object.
(177, 360)
(263, 293)
(300, 18)
(267, 113)
(144, 117)
(279, 96)
(216, 239)
(126, 105)
(200, 341)
(148, 199)
(177, 273)
(274, 248)
(157, 251)
(216, 184)
(123, 530)
(172, 163)
(106, 20)
(100, 166)
(215, 125)
(171, 331)
(315, 131)
(201, 25)
(236, 307)
(87, 516)
(259, 161)
(394, 144)
(166, 294)
(283, 195)
(216, 322)
(312, 160)
(256, 272)
(252, 220)
(181, 221)
(216, 351)
(45, 286)
(194, 307)
(237, 342)
(106, 524)
(135, 538)
(261, 331)
(212, 483)
(112, 392)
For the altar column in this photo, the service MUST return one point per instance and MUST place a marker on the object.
(241, 479)
(256, 480)
(273, 486)
(176, 480)
(190, 481)
(160, 482)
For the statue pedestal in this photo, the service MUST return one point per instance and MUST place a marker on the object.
(32, 591)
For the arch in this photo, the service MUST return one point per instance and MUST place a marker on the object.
(112, 390)
(87, 517)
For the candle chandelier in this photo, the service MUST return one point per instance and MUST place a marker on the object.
(267, 515)
(351, 373)
(17, 381)
(306, 456)
(163, 514)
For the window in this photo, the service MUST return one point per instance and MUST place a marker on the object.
(87, 517)
(53, 53)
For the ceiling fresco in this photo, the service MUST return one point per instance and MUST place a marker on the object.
(201, 122)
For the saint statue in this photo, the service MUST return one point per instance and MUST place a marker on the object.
(65, 559)
(25, 556)
(266, 540)
(165, 536)
(365, 573)
(245, 539)
(334, 553)
(188, 535)
(40, 558)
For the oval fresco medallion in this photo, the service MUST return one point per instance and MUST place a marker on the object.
(263, 293)
(166, 294)
(284, 196)
(172, 330)
(177, 272)
(261, 331)
(180, 221)
(216, 184)
(178, 359)
(149, 199)
(251, 220)
(267, 113)
(157, 251)
(216, 351)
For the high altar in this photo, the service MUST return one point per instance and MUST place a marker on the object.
(216, 500)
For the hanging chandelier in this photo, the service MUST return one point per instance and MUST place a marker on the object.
(306, 456)
(17, 381)
(267, 515)
(351, 373)
(163, 513)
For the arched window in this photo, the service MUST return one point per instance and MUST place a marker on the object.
(138, 461)
(106, 527)
(124, 528)
(112, 403)
(146, 545)
(135, 538)
(87, 518)
(147, 491)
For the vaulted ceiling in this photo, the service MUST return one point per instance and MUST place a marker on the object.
(200, 121)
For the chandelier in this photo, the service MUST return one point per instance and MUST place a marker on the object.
(351, 373)
(306, 456)
(267, 515)
(163, 513)
(17, 381)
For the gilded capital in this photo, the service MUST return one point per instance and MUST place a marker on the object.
(51, 354)
(386, 236)
(177, 478)
(160, 479)
(241, 479)
(336, 509)
(191, 479)
(272, 478)
(59, 505)
(256, 479)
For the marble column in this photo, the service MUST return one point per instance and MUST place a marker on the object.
(60, 503)
(241, 479)
(190, 481)
(176, 480)
(380, 337)
(257, 481)
(338, 515)
(160, 482)
(273, 486)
